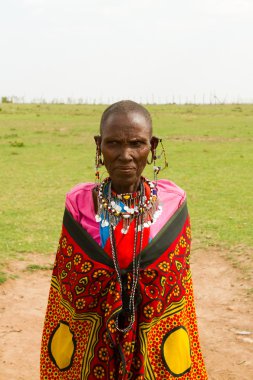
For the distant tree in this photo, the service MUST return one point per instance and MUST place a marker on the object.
(5, 99)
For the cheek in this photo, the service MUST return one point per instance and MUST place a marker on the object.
(108, 155)
(145, 154)
(143, 159)
(109, 159)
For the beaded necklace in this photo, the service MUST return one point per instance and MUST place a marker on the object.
(127, 206)
(114, 207)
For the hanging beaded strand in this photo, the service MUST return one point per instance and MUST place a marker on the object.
(135, 273)
(130, 200)
(98, 160)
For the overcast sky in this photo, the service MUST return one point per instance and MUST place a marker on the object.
(162, 50)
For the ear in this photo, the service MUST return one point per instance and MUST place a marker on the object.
(98, 143)
(154, 142)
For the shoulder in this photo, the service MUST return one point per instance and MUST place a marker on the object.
(169, 191)
(78, 198)
(81, 188)
(164, 185)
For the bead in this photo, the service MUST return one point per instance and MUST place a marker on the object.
(98, 218)
(105, 223)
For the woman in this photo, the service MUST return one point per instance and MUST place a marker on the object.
(121, 302)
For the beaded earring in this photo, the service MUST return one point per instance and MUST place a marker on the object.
(163, 154)
(156, 169)
(155, 156)
(98, 159)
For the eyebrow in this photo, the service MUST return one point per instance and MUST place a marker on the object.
(114, 138)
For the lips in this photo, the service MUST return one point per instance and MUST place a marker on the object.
(125, 168)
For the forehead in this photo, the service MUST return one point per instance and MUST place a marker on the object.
(131, 124)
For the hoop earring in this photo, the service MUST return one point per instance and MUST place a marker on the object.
(149, 162)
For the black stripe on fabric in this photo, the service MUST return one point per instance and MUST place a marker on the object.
(150, 253)
(165, 237)
(85, 241)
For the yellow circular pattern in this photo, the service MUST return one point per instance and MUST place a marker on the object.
(176, 351)
(62, 346)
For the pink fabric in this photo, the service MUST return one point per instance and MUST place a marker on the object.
(79, 202)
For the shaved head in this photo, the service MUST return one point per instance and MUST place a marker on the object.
(125, 107)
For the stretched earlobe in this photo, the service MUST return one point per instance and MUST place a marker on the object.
(98, 143)
(154, 142)
(154, 156)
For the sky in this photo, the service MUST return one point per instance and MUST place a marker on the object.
(145, 50)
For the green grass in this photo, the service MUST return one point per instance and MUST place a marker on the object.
(46, 149)
(3, 277)
(35, 267)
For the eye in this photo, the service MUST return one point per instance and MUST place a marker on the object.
(136, 143)
(112, 142)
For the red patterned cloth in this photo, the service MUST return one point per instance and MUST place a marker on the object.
(80, 340)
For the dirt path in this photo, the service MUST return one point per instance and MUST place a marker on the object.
(225, 318)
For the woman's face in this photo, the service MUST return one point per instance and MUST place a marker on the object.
(125, 145)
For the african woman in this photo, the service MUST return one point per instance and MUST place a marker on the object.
(121, 303)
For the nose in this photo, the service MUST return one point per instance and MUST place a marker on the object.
(125, 154)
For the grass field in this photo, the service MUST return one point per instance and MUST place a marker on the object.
(46, 149)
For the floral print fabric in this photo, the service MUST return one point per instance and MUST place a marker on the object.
(80, 340)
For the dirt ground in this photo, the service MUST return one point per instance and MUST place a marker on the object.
(224, 309)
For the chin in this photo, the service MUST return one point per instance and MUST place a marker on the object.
(124, 181)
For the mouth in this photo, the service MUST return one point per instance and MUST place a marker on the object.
(125, 168)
